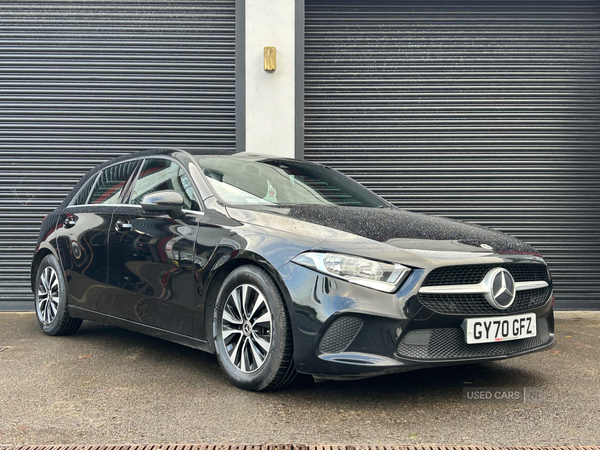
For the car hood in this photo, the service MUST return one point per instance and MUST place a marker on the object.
(357, 230)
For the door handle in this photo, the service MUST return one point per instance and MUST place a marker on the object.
(123, 225)
(70, 221)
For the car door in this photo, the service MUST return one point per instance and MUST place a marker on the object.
(83, 234)
(151, 277)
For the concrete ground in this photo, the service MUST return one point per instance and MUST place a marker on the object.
(106, 385)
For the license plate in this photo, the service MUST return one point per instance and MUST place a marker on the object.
(497, 329)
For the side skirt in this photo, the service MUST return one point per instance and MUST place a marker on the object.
(94, 316)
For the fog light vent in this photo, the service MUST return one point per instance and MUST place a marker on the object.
(340, 334)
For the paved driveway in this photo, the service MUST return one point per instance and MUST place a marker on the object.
(106, 385)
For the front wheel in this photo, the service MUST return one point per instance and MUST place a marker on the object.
(51, 300)
(252, 331)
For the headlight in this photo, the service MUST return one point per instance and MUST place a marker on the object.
(382, 276)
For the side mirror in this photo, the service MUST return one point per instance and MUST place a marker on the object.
(167, 201)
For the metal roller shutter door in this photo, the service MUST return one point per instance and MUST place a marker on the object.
(82, 82)
(480, 111)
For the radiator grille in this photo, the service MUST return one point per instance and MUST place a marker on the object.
(474, 274)
(476, 304)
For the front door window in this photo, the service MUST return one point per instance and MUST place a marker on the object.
(162, 174)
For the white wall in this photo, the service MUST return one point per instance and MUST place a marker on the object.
(270, 95)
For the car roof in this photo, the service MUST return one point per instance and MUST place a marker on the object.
(192, 152)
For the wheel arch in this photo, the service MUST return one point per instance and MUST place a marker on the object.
(241, 259)
(37, 260)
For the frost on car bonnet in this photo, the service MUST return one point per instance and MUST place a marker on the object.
(386, 224)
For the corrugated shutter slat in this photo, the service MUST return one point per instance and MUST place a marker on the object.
(486, 112)
(82, 82)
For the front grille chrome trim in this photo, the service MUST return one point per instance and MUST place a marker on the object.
(479, 288)
(455, 289)
(530, 285)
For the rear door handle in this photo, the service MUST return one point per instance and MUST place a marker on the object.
(123, 225)
(70, 221)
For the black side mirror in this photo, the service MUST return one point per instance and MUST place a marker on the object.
(167, 201)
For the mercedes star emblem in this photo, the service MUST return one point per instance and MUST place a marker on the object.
(500, 288)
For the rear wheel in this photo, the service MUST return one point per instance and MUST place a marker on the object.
(50, 292)
(253, 335)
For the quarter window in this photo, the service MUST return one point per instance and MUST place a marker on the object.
(111, 183)
(84, 192)
(162, 174)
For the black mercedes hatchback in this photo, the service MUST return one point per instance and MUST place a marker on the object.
(282, 266)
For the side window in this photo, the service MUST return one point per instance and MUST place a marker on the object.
(84, 192)
(161, 174)
(111, 183)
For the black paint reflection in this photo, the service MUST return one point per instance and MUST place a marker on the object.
(82, 247)
(150, 277)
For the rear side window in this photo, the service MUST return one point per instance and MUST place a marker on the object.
(111, 183)
(84, 192)
(162, 174)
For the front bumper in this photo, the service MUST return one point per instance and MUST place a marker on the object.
(346, 331)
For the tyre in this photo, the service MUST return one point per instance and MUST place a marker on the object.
(252, 331)
(50, 293)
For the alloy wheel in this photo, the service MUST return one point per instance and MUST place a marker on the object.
(246, 328)
(48, 295)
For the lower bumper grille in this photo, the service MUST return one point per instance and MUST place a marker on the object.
(449, 343)
(340, 334)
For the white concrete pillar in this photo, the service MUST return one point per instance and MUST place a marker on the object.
(270, 97)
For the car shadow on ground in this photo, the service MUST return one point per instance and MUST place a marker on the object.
(436, 383)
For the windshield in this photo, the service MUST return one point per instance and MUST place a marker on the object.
(283, 182)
